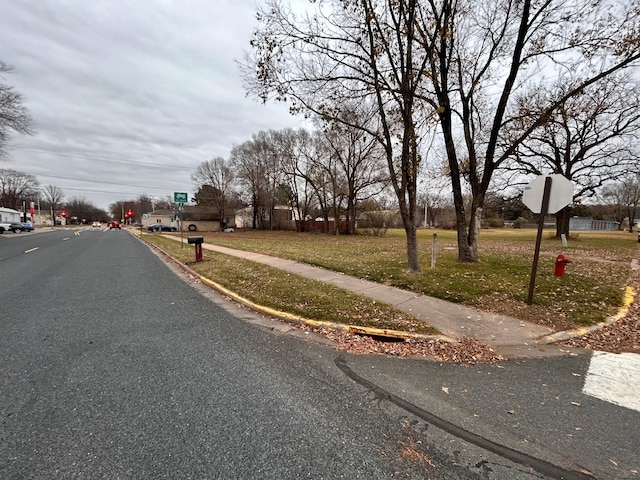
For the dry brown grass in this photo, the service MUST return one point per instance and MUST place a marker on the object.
(591, 290)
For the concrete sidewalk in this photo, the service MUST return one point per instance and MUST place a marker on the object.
(453, 320)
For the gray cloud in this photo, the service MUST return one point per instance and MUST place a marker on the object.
(110, 82)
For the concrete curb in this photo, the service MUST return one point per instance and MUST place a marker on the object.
(629, 296)
(545, 339)
(379, 332)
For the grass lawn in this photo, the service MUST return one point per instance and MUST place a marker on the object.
(285, 292)
(591, 289)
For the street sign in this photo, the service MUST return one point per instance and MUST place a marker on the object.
(180, 197)
(560, 196)
(546, 194)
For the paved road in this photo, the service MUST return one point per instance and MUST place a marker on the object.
(111, 367)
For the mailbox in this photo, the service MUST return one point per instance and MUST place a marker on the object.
(197, 241)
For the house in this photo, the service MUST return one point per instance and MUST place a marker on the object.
(190, 218)
(166, 217)
(9, 215)
(284, 218)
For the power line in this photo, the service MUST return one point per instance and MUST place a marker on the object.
(101, 159)
(114, 192)
(103, 182)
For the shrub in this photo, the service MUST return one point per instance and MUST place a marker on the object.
(495, 222)
(519, 222)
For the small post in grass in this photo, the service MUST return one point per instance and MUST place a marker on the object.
(434, 248)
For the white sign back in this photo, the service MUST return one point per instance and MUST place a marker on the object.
(560, 196)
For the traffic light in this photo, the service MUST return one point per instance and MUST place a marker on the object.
(129, 214)
(63, 214)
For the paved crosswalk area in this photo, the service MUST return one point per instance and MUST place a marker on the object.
(614, 378)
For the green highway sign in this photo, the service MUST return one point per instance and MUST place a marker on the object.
(180, 197)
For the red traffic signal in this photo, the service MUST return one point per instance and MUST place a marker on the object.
(129, 213)
(64, 214)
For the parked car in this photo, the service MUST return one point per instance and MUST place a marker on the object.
(17, 227)
(159, 227)
(115, 224)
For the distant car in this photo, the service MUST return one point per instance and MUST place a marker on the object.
(159, 227)
(115, 224)
(16, 227)
(96, 224)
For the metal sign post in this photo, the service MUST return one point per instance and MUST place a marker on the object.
(180, 225)
(543, 211)
(180, 198)
(553, 200)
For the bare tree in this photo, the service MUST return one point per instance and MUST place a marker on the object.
(291, 146)
(217, 174)
(624, 196)
(467, 61)
(485, 55)
(318, 167)
(435, 200)
(81, 211)
(248, 161)
(53, 197)
(365, 51)
(13, 114)
(305, 161)
(435, 190)
(276, 190)
(588, 138)
(16, 187)
(359, 161)
(144, 204)
(137, 206)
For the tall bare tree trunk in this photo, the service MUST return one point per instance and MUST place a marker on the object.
(563, 217)
(412, 248)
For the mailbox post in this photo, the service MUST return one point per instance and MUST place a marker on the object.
(197, 241)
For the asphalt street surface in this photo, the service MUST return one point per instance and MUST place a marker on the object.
(112, 365)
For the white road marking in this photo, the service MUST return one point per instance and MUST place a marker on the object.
(614, 378)
(31, 250)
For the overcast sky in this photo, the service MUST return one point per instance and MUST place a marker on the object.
(113, 85)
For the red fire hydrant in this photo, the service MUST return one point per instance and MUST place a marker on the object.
(561, 262)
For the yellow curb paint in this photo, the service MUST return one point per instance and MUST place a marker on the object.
(627, 299)
(319, 323)
(315, 323)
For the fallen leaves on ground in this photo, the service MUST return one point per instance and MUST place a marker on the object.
(467, 350)
(617, 337)
(621, 336)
